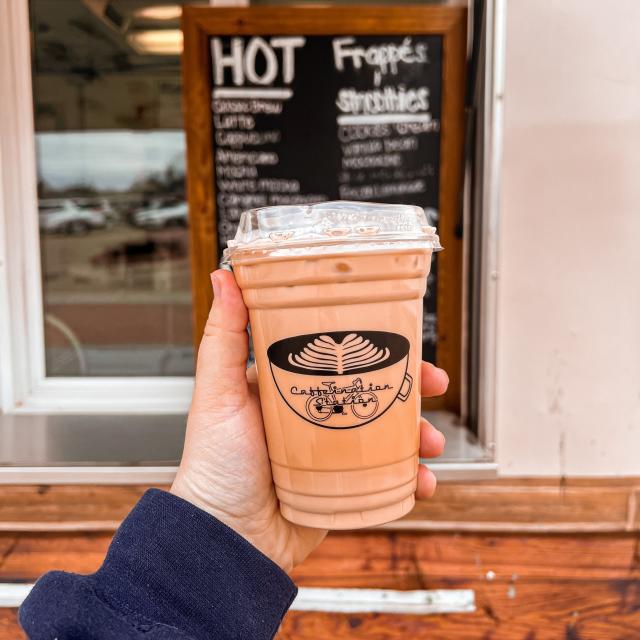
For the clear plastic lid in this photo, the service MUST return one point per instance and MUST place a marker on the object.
(298, 229)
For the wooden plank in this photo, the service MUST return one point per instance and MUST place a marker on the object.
(9, 627)
(79, 507)
(200, 185)
(574, 610)
(571, 610)
(431, 561)
(633, 523)
(376, 560)
(516, 505)
(25, 557)
(449, 281)
(535, 587)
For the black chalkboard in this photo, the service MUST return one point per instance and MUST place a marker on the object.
(327, 117)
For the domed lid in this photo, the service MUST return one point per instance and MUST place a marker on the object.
(361, 225)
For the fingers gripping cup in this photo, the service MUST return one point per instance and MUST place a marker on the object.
(334, 292)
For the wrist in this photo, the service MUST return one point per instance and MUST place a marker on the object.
(262, 538)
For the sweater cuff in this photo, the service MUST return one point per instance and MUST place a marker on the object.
(173, 563)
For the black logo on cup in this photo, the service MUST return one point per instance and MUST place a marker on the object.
(341, 379)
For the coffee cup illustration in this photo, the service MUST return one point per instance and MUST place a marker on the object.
(341, 379)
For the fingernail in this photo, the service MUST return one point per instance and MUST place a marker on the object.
(217, 285)
(444, 373)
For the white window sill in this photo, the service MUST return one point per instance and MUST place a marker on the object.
(146, 449)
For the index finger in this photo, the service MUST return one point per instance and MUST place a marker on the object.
(433, 380)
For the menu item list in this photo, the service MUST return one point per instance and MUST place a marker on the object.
(311, 118)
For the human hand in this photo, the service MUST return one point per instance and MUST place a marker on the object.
(225, 467)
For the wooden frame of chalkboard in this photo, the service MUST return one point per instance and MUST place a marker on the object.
(202, 24)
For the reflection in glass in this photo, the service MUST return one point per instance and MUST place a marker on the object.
(113, 215)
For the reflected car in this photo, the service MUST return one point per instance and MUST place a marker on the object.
(67, 217)
(159, 217)
(112, 216)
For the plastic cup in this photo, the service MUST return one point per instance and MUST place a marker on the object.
(334, 292)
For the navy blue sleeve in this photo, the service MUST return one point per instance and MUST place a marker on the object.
(172, 572)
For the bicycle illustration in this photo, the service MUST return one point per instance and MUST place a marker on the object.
(363, 405)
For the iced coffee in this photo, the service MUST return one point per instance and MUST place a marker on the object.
(334, 292)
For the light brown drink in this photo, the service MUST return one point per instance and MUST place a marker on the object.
(337, 339)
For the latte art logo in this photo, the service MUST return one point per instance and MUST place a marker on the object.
(353, 352)
(341, 379)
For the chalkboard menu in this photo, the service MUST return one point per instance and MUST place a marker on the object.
(307, 105)
(308, 118)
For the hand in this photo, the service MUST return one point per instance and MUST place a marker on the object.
(225, 466)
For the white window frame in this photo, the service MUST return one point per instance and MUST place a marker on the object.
(24, 387)
(496, 42)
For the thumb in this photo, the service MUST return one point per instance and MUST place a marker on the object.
(221, 380)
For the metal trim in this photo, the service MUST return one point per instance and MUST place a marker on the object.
(422, 602)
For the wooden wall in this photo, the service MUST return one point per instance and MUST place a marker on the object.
(530, 505)
(527, 587)
(546, 559)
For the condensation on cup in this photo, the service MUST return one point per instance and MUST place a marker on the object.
(334, 292)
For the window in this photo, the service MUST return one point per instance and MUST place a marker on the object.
(111, 189)
(95, 300)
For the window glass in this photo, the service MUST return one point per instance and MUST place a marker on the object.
(113, 214)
